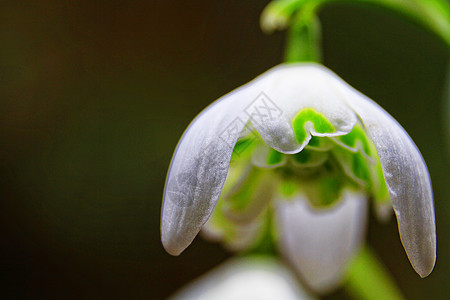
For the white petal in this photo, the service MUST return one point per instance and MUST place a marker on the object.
(406, 176)
(320, 243)
(199, 168)
(286, 90)
(245, 278)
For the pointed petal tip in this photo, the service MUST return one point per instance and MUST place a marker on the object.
(171, 247)
(424, 267)
(425, 272)
(173, 240)
(421, 253)
(172, 251)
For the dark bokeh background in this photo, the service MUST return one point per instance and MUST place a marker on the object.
(94, 96)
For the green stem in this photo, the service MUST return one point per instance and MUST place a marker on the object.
(368, 278)
(303, 42)
(304, 36)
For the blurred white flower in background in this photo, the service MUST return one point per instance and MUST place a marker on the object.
(251, 278)
(307, 151)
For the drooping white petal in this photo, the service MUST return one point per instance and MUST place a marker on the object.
(321, 242)
(406, 176)
(286, 90)
(259, 278)
(199, 168)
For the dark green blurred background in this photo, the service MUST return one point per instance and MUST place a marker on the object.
(94, 96)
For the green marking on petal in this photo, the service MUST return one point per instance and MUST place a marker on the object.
(320, 122)
(357, 136)
(360, 167)
(380, 191)
(274, 157)
(354, 164)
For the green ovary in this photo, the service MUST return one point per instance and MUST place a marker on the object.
(320, 122)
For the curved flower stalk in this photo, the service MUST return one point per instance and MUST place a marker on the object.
(253, 278)
(293, 156)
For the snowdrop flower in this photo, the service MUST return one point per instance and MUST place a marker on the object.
(252, 278)
(307, 152)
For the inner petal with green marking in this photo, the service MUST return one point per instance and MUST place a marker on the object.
(308, 121)
(321, 171)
